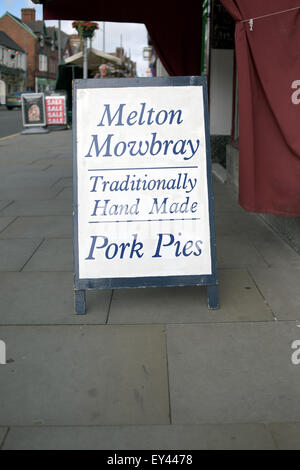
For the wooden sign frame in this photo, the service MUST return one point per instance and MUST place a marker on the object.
(208, 280)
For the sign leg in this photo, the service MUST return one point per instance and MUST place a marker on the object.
(80, 302)
(212, 297)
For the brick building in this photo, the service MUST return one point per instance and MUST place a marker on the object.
(39, 44)
(128, 67)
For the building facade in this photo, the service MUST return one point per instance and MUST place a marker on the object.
(39, 45)
(12, 66)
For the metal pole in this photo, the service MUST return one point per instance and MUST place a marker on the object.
(59, 41)
(85, 62)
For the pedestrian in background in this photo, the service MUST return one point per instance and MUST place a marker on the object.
(102, 71)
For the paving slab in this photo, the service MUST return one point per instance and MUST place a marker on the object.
(45, 226)
(224, 198)
(228, 223)
(163, 437)
(84, 375)
(286, 435)
(233, 373)
(15, 253)
(236, 251)
(65, 193)
(3, 432)
(26, 149)
(4, 204)
(38, 208)
(219, 172)
(63, 169)
(30, 298)
(226, 204)
(53, 255)
(29, 171)
(280, 287)
(64, 182)
(24, 180)
(4, 222)
(28, 193)
(239, 301)
(41, 164)
(60, 162)
(275, 251)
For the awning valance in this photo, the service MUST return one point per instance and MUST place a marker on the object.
(174, 26)
(268, 60)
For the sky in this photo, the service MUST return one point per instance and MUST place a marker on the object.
(133, 36)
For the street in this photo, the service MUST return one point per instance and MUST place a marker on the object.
(10, 121)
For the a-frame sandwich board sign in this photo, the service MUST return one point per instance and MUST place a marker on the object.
(143, 198)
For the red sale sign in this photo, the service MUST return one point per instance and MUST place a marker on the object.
(56, 110)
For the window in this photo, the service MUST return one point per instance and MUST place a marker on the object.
(21, 61)
(7, 58)
(52, 66)
(43, 63)
(18, 60)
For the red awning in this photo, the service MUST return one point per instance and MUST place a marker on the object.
(175, 31)
(268, 60)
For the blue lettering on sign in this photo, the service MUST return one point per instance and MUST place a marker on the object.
(97, 149)
(112, 250)
(165, 207)
(108, 147)
(133, 249)
(134, 183)
(110, 119)
(140, 117)
(166, 240)
(107, 208)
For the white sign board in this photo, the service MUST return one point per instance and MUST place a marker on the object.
(142, 194)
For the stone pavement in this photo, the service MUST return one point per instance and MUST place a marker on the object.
(145, 368)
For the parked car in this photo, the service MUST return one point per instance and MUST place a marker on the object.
(14, 100)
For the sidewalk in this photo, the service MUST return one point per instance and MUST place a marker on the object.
(145, 368)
